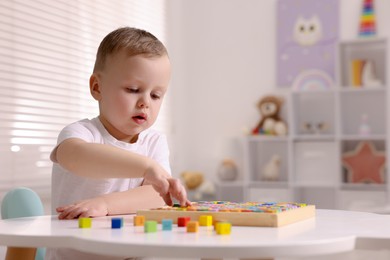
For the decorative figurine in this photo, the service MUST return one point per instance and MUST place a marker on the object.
(227, 171)
(364, 128)
(271, 170)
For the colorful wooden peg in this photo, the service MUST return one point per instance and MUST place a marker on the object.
(206, 220)
(182, 221)
(116, 223)
(85, 222)
(139, 220)
(223, 228)
(166, 224)
(150, 226)
(192, 226)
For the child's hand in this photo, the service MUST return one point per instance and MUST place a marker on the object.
(166, 186)
(177, 191)
(95, 207)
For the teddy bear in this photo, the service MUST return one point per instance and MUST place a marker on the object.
(198, 188)
(270, 123)
(192, 180)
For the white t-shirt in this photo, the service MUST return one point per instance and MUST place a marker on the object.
(69, 188)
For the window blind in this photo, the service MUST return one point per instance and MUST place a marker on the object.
(47, 53)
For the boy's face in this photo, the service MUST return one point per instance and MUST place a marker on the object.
(130, 91)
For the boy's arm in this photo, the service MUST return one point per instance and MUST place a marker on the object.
(94, 160)
(143, 197)
(103, 161)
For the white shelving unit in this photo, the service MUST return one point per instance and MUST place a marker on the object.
(311, 169)
(353, 103)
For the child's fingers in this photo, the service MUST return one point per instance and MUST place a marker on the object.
(178, 192)
(171, 187)
(59, 209)
(85, 214)
(72, 212)
(63, 208)
(167, 199)
(183, 199)
(181, 196)
(63, 215)
(64, 212)
(76, 213)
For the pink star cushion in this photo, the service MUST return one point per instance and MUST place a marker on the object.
(365, 164)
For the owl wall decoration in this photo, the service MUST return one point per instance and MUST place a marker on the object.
(307, 36)
(307, 32)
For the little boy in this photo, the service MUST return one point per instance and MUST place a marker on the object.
(114, 164)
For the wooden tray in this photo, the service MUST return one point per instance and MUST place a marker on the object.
(238, 214)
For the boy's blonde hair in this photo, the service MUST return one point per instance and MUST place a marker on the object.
(134, 41)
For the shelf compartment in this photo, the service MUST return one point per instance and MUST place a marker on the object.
(351, 146)
(316, 163)
(261, 153)
(373, 50)
(314, 113)
(360, 119)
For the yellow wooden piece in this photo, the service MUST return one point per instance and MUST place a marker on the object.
(85, 222)
(206, 220)
(223, 228)
(139, 220)
(215, 222)
(192, 226)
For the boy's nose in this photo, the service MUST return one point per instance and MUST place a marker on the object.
(143, 103)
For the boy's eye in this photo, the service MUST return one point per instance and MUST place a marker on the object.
(132, 90)
(155, 96)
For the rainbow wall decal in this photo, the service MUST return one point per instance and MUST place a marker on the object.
(312, 80)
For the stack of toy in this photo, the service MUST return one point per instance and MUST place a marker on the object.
(367, 20)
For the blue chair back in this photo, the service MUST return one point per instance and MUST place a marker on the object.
(23, 202)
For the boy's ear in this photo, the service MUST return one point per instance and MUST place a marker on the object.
(94, 86)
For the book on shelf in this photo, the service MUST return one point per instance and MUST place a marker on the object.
(362, 74)
(356, 73)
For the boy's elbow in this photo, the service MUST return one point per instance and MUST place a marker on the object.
(67, 154)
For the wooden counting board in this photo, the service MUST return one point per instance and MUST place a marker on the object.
(258, 214)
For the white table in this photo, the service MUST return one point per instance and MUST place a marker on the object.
(332, 231)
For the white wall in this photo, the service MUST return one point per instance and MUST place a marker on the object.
(222, 55)
(223, 61)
